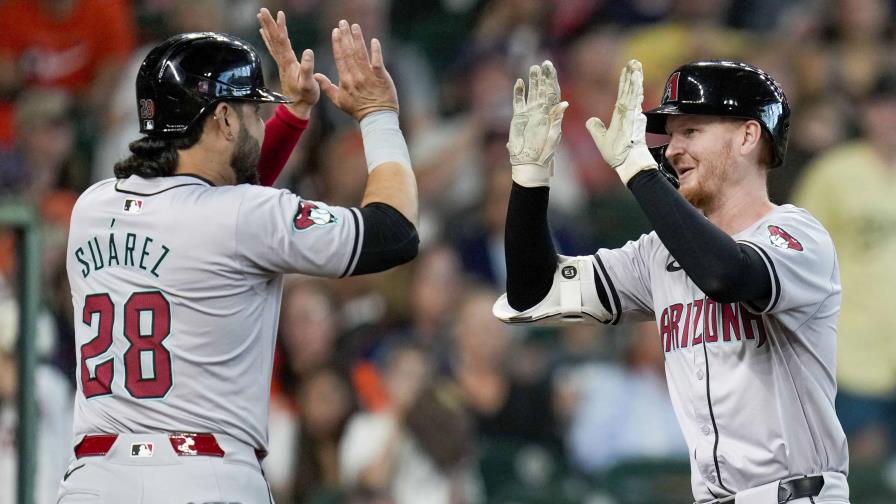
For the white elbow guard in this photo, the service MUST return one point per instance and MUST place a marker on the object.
(572, 298)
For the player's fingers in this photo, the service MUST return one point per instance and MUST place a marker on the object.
(265, 23)
(519, 97)
(534, 72)
(327, 87)
(281, 23)
(339, 54)
(306, 67)
(552, 85)
(345, 41)
(556, 114)
(376, 59)
(267, 41)
(360, 47)
(623, 76)
(638, 83)
(596, 127)
(542, 91)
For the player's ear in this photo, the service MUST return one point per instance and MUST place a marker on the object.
(225, 120)
(751, 137)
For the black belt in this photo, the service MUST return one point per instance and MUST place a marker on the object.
(788, 490)
(807, 486)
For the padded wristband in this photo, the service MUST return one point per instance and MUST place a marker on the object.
(383, 140)
(638, 160)
(532, 175)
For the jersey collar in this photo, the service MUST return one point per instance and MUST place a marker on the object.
(149, 186)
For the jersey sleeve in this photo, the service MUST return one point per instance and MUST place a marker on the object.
(624, 276)
(800, 258)
(280, 232)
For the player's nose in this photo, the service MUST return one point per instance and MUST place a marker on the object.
(675, 150)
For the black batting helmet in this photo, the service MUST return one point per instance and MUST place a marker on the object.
(181, 77)
(726, 88)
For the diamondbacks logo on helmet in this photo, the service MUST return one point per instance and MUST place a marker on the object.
(312, 214)
(671, 91)
(782, 239)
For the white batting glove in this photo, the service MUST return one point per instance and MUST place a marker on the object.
(535, 127)
(622, 145)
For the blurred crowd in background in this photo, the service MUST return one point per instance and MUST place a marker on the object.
(402, 387)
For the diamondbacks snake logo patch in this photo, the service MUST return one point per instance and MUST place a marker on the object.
(312, 214)
(782, 239)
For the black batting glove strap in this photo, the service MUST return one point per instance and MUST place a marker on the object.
(529, 251)
(726, 271)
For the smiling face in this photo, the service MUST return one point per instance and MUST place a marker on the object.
(701, 151)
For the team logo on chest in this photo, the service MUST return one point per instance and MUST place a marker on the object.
(782, 239)
(312, 214)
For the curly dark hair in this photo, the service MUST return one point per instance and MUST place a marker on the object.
(157, 156)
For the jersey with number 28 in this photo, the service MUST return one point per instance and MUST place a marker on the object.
(176, 287)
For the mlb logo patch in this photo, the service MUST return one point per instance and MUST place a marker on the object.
(141, 449)
(133, 206)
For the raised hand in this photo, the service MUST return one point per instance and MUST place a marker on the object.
(296, 78)
(364, 84)
(535, 127)
(622, 144)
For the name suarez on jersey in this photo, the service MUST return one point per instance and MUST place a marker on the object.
(121, 249)
(704, 321)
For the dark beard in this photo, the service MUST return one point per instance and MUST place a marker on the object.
(244, 160)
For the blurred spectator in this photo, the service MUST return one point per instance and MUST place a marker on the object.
(325, 402)
(446, 157)
(860, 33)
(398, 455)
(435, 291)
(850, 190)
(76, 45)
(626, 412)
(478, 232)
(817, 126)
(43, 161)
(43, 167)
(54, 408)
(502, 405)
(439, 28)
(309, 331)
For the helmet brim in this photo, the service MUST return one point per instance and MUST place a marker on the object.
(267, 96)
(656, 118)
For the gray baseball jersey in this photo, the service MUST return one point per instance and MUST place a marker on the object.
(752, 386)
(176, 286)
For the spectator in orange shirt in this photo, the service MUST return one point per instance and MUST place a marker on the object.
(78, 45)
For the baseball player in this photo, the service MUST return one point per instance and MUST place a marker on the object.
(745, 293)
(176, 266)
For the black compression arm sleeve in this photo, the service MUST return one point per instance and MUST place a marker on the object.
(724, 270)
(390, 239)
(528, 249)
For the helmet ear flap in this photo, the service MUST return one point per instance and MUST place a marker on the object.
(659, 154)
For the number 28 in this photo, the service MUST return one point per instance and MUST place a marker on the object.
(99, 383)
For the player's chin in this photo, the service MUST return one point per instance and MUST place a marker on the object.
(693, 192)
